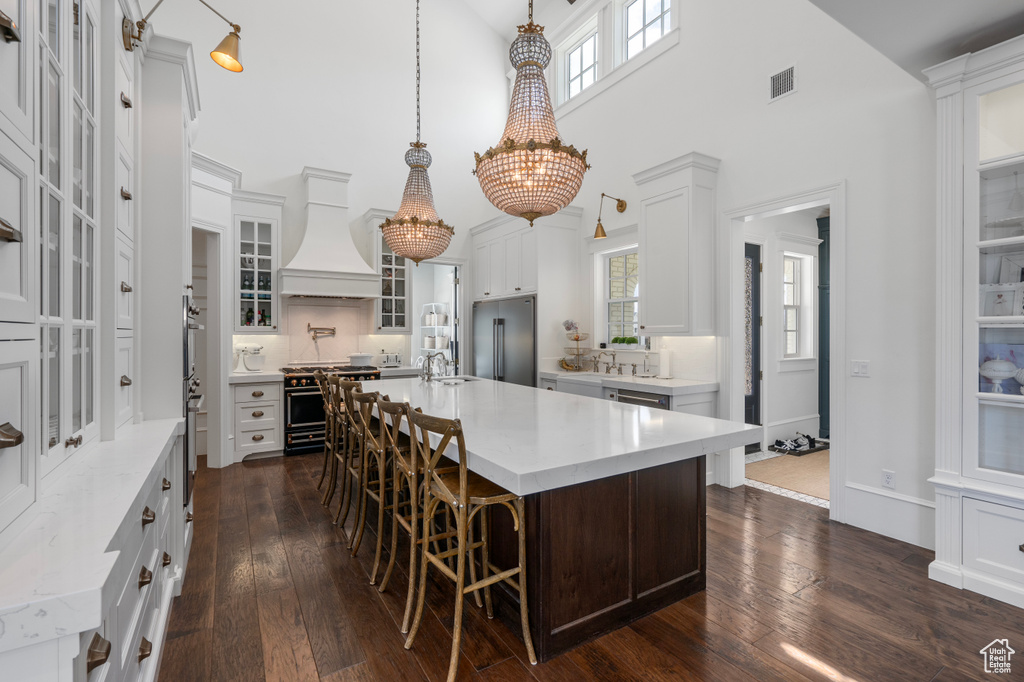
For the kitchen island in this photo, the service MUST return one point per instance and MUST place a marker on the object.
(615, 498)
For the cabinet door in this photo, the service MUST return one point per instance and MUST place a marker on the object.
(125, 197)
(18, 399)
(496, 268)
(17, 265)
(513, 260)
(528, 261)
(123, 362)
(481, 271)
(124, 112)
(125, 284)
(664, 264)
(16, 91)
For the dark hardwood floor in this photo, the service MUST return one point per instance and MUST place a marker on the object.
(272, 594)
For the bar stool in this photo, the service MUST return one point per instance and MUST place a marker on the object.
(374, 469)
(466, 494)
(341, 394)
(321, 382)
(337, 434)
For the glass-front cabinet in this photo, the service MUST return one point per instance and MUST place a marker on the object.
(979, 471)
(255, 283)
(393, 315)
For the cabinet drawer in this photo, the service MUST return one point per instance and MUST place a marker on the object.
(125, 284)
(134, 600)
(17, 101)
(18, 387)
(994, 539)
(256, 416)
(258, 393)
(124, 191)
(17, 211)
(124, 116)
(124, 357)
(258, 440)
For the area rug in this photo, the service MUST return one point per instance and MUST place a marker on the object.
(807, 474)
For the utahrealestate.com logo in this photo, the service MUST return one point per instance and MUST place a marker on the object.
(997, 656)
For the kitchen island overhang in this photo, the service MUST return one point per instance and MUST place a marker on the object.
(614, 493)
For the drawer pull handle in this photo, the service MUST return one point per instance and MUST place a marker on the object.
(99, 652)
(166, 485)
(145, 649)
(1021, 548)
(188, 517)
(76, 441)
(126, 288)
(145, 577)
(550, 389)
(125, 194)
(148, 516)
(126, 101)
(125, 381)
(258, 437)
(8, 233)
(10, 437)
(258, 413)
(167, 559)
(257, 394)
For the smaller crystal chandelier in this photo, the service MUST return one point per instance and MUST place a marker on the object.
(416, 232)
(531, 173)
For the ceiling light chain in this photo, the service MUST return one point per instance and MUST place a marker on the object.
(417, 70)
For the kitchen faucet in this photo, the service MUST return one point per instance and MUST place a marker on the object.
(427, 371)
(608, 366)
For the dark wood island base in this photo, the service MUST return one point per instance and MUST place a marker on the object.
(605, 553)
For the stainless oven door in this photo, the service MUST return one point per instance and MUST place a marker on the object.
(652, 400)
(304, 409)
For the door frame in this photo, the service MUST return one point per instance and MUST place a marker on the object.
(731, 403)
(751, 240)
(465, 340)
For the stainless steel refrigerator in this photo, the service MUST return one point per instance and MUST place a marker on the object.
(505, 340)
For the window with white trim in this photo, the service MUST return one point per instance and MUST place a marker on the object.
(582, 65)
(646, 22)
(622, 294)
(791, 306)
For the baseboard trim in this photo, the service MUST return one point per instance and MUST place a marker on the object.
(792, 420)
(902, 517)
(947, 574)
(993, 587)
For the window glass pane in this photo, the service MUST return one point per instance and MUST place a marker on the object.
(653, 9)
(54, 384)
(791, 344)
(76, 157)
(76, 269)
(76, 380)
(589, 51)
(399, 320)
(265, 233)
(400, 305)
(76, 54)
(90, 252)
(587, 79)
(614, 330)
(89, 370)
(791, 317)
(616, 266)
(385, 287)
(614, 312)
(788, 270)
(53, 136)
(788, 294)
(89, 76)
(632, 263)
(87, 169)
(635, 45)
(666, 22)
(399, 287)
(52, 24)
(616, 288)
(248, 234)
(399, 260)
(53, 248)
(386, 305)
(385, 321)
(634, 17)
(652, 33)
(632, 287)
(575, 62)
(574, 87)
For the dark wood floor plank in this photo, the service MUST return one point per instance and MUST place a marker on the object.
(234, 566)
(237, 645)
(187, 658)
(287, 655)
(270, 563)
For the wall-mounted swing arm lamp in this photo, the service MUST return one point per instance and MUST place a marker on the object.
(226, 54)
(9, 30)
(620, 206)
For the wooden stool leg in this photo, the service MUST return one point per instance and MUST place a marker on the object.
(332, 482)
(485, 562)
(346, 481)
(428, 520)
(467, 549)
(381, 506)
(364, 476)
(523, 607)
(327, 455)
(397, 480)
(413, 528)
(461, 525)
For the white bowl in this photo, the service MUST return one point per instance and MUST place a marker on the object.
(254, 362)
(361, 359)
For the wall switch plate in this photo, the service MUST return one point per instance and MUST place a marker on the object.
(888, 478)
(859, 368)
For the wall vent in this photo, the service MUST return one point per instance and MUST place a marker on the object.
(783, 83)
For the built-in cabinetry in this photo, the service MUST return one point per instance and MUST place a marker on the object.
(257, 418)
(979, 472)
(677, 246)
(435, 329)
(505, 262)
(393, 313)
(19, 440)
(257, 224)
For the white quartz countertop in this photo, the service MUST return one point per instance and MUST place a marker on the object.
(53, 573)
(528, 440)
(405, 370)
(650, 385)
(254, 377)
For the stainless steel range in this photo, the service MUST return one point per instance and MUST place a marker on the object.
(304, 417)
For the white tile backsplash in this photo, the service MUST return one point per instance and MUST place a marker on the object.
(693, 357)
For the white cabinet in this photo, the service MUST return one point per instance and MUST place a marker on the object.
(394, 307)
(17, 101)
(505, 264)
(18, 435)
(125, 266)
(124, 354)
(18, 233)
(979, 468)
(125, 197)
(676, 246)
(256, 274)
(258, 426)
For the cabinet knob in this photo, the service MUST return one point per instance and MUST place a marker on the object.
(643, 327)
(258, 437)
(1021, 548)
(98, 653)
(167, 559)
(550, 389)
(10, 437)
(126, 288)
(148, 516)
(166, 485)
(125, 381)
(518, 289)
(257, 394)
(258, 413)
(145, 577)
(76, 441)
(188, 517)
(8, 233)
(125, 194)
(487, 293)
(126, 102)
(145, 649)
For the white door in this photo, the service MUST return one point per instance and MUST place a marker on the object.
(528, 261)
(664, 263)
(481, 271)
(513, 263)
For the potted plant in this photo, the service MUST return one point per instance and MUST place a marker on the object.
(630, 342)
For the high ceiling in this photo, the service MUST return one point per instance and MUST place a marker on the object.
(915, 34)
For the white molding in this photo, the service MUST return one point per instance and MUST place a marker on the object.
(258, 197)
(212, 188)
(791, 420)
(178, 52)
(325, 174)
(680, 163)
(905, 518)
(799, 239)
(573, 212)
(208, 226)
(797, 364)
(910, 499)
(218, 169)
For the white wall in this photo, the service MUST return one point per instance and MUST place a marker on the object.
(855, 117)
(332, 85)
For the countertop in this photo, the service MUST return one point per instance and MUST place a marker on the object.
(53, 573)
(650, 385)
(254, 377)
(405, 370)
(529, 440)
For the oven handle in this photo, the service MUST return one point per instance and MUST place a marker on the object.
(314, 392)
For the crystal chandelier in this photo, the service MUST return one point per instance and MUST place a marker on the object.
(416, 232)
(531, 173)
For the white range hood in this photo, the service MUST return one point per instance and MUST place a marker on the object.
(327, 263)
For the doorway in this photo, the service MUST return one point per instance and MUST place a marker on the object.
(210, 362)
(436, 302)
(753, 374)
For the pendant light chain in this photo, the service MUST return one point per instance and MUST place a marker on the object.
(531, 11)
(418, 70)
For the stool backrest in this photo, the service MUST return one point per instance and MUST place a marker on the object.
(344, 392)
(390, 427)
(447, 429)
(325, 392)
(364, 403)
